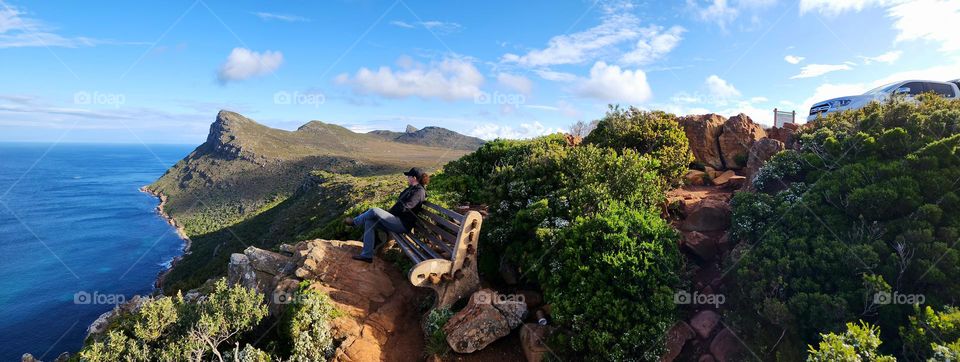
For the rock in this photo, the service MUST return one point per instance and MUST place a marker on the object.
(484, 320)
(104, 320)
(28, 358)
(724, 177)
(736, 182)
(700, 245)
(784, 134)
(694, 177)
(703, 132)
(723, 245)
(725, 346)
(533, 298)
(706, 358)
(704, 322)
(760, 153)
(708, 215)
(677, 337)
(739, 134)
(508, 272)
(533, 339)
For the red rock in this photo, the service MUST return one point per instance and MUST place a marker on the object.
(724, 177)
(484, 320)
(739, 134)
(694, 177)
(677, 337)
(736, 183)
(724, 243)
(700, 245)
(706, 358)
(726, 346)
(708, 215)
(760, 153)
(704, 322)
(702, 133)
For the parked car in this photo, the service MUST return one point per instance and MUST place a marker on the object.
(909, 88)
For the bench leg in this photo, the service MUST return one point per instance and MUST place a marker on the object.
(458, 288)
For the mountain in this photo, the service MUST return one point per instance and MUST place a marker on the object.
(245, 169)
(431, 136)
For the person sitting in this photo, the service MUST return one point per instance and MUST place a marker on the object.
(400, 218)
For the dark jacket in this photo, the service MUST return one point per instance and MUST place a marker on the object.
(408, 204)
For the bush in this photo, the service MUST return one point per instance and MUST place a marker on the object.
(610, 281)
(170, 329)
(308, 329)
(929, 334)
(436, 343)
(657, 134)
(869, 203)
(858, 343)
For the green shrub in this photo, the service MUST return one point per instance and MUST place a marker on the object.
(927, 330)
(308, 329)
(654, 133)
(436, 343)
(170, 329)
(858, 343)
(609, 280)
(868, 202)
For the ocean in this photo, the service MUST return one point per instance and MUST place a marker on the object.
(76, 237)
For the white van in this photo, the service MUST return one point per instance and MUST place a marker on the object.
(908, 88)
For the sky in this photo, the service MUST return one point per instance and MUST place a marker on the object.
(158, 72)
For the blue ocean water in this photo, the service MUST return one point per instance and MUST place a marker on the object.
(76, 235)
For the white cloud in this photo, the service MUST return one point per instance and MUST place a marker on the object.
(440, 27)
(793, 59)
(583, 46)
(516, 83)
(816, 70)
(719, 12)
(654, 43)
(555, 76)
(837, 7)
(280, 17)
(18, 31)
(612, 84)
(888, 57)
(449, 79)
(243, 63)
(930, 20)
(720, 88)
(490, 131)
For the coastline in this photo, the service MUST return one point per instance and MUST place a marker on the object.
(158, 284)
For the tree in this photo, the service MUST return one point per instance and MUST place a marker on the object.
(858, 343)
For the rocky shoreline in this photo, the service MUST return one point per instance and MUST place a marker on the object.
(179, 229)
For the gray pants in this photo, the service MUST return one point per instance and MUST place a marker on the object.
(372, 219)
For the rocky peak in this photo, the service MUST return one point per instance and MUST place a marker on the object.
(411, 129)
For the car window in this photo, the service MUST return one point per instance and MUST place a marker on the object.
(942, 89)
(915, 88)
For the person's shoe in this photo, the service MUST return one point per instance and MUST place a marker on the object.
(363, 259)
(348, 220)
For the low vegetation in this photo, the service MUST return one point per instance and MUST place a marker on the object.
(860, 223)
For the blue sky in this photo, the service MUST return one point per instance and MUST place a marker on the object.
(159, 72)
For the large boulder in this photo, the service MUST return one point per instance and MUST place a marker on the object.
(703, 246)
(708, 215)
(760, 153)
(726, 346)
(702, 133)
(738, 135)
(704, 322)
(485, 319)
(533, 340)
(677, 337)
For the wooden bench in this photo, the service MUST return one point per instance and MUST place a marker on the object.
(443, 247)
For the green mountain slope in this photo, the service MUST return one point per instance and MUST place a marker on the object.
(431, 136)
(245, 169)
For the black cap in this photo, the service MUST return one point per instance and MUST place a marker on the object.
(415, 172)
